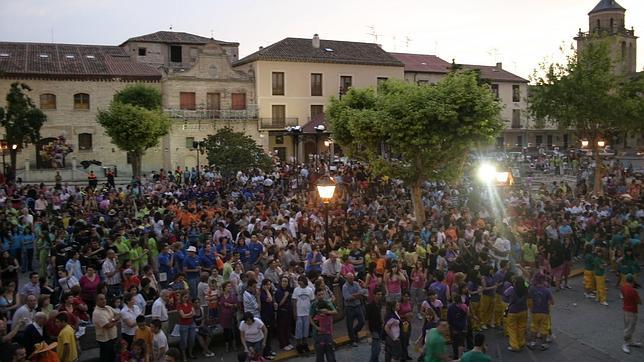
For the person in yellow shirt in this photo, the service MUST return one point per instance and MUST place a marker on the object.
(67, 349)
(144, 332)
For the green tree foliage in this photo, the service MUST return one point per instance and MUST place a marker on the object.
(21, 120)
(416, 133)
(135, 122)
(140, 95)
(235, 151)
(585, 95)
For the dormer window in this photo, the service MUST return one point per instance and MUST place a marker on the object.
(143, 52)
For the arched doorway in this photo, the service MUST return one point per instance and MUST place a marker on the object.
(41, 161)
(309, 150)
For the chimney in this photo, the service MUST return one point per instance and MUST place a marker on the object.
(261, 47)
(316, 41)
(499, 66)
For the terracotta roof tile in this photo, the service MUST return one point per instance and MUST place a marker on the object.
(71, 60)
(176, 37)
(423, 63)
(330, 51)
(491, 72)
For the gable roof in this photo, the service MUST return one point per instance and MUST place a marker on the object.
(65, 61)
(423, 63)
(426, 63)
(330, 51)
(606, 5)
(177, 37)
(491, 72)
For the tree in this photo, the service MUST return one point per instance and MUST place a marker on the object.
(235, 151)
(21, 120)
(585, 95)
(135, 122)
(416, 133)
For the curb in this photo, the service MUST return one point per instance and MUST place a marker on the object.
(339, 341)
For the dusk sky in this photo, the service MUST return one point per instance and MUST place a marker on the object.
(519, 33)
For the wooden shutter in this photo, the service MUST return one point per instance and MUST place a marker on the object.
(213, 101)
(187, 100)
(238, 101)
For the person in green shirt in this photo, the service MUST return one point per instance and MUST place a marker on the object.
(477, 354)
(599, 270)
(435, 349)
(153, 249)
(530, 251)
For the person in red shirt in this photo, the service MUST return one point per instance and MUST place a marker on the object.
(631, 301)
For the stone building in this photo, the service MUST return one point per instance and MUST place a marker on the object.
(510, 89)
(296, 77)
(70, 83)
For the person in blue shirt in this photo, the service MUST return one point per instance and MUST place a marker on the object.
(207, 257)
(73, 266)
(179, 255)
(166, 258)
(192, 269)
(16, 245)
(314, 260)
(224, 247)
(28, 239)
(256, 250)
(243, 251)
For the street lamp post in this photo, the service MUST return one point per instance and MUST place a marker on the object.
(199, 146)
(326, 189)
(327, 143)
(319, 129)
(295, 132)
(4, 147)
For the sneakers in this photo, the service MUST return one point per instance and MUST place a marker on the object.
(532, 345)
(484, 327)
(625, 349)
(635, 344)
(604, 303)
(209, 354)
(288, 348)
(354, 344)
(545, 346)
(568, 287)
(512, 349)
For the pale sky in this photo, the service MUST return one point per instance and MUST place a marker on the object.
(519, 33)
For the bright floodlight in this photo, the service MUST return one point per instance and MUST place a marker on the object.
(601, 143)
(584, 143)
(486, 173)
(502, 177)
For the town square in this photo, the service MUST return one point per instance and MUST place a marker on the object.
(334, 181)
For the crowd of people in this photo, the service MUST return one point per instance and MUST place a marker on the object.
(249, 259)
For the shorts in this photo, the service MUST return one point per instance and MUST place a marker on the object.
(540, 324)
(558, 272)
(302, 327)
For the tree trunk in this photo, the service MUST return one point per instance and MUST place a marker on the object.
(13, 156)
(417, 201)
(599, 165)
(136, 164)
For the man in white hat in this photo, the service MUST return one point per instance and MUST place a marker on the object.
(192, 268)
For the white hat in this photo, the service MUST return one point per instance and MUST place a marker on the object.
(192, 249)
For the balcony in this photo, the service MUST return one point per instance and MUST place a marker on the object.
(277, 123)
(516, 125)
(603, 31)
(224, 114)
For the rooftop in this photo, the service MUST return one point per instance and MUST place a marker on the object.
(329, 51)
(176, 37)
(606, 5)
(71, 61)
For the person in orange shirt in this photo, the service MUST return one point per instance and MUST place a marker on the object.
(144, 332)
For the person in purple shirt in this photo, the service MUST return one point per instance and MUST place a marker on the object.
(517, 298)
(500, 277)
(542, 299)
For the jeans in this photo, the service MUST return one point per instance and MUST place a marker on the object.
(376, 342)
(354, 313)
(27, 259)
(324, 348)
(254, 347)
(187, 333)
(192, 283)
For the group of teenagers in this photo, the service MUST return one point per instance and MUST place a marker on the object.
(250, 258)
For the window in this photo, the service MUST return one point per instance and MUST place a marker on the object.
(516, 93)
(187, 100)
(539, 140)
(279, 139)
(238, 101)
(316, 109)
(142, 52)
(599, 24)
(612, 23)
(495, 90)
(213, 101)
(85, 142)
(47, 101)
(81, 101)
(345, 83)
(175, 54)
(316, 84)
(516, 118)
(278, 113)
(422, 82)
(278, 83)
(128, 158)
(190, 142)
(520, 141)
(380, 80)
(623, 50)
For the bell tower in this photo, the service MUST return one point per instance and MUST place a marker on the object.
(607, 20)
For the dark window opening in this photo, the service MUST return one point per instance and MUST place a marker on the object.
(142, 52)
(175, 54)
